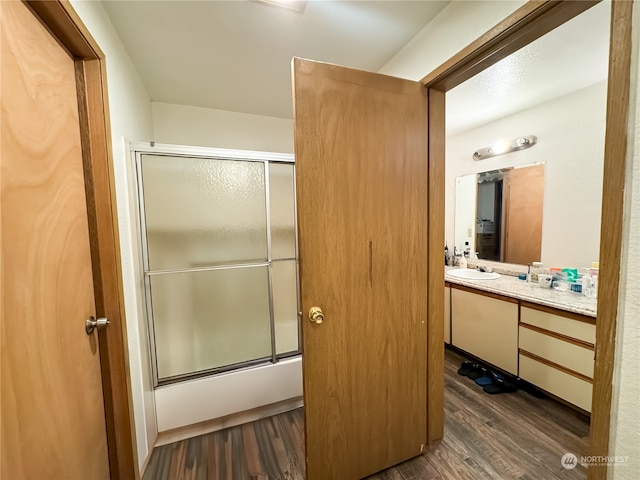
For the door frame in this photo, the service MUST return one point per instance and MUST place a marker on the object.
(65, 25)
(522, 27)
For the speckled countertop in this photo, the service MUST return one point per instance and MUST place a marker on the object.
(510, 286)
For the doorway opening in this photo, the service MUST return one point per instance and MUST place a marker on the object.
(491, 48)
(537, 221)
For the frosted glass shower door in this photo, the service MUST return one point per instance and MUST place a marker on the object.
(207, 269)
(210, 319)
(219, 248)
(284, 269)
(203, 211)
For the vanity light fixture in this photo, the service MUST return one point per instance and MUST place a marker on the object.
(505, 146)
(297, 6)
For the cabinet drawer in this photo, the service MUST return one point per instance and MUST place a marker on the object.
(574, 357)
(556, 382)
(485, 327)
(565, 326)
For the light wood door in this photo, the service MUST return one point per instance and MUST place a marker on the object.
(523, 202)
(53, 419)
(361, 170)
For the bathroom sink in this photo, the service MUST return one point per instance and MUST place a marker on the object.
(468, 274)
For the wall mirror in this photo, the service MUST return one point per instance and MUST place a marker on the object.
(555, 89)
(499, 212)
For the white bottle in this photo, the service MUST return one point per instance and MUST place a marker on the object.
(462, 262)
(590, 281)
(536, 269)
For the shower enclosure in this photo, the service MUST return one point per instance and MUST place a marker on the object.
(218, 239)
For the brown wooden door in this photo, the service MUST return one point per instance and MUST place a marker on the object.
(361, 173)
(52, 413)
(522, 204)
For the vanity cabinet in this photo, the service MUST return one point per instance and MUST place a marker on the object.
(550, 348)
(447, 314)
(556, 352)
(486, 326)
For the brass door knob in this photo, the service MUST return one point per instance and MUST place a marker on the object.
(316, 315)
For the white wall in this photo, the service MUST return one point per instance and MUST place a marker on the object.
(625, 405)
(465, 195)
(130, 112)
(205, 127)
(456, 26)
(570, 133)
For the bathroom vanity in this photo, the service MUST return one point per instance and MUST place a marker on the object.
(543, 336)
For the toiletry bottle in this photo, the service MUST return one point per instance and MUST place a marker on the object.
(590, 281)
(467, 250)
(462, 261)
(447, 257)
(536, 269)
(555, 273)
(528, 273)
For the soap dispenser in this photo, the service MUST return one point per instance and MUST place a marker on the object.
(462, 262)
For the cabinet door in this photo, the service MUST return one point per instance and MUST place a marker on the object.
(447, 315)
(486, 327)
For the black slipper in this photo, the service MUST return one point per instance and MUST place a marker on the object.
(477, 372)
(505, 385)
(466, 368)
(500, 384)
(492, 389)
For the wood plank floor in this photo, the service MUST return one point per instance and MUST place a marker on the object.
(505, 436)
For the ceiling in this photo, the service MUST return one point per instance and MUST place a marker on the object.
(236, 55)
(569, 58)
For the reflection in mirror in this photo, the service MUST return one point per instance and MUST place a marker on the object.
(499, 213)
(554, 88)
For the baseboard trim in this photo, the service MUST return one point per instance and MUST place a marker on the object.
(145, 464)
(208, 426)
